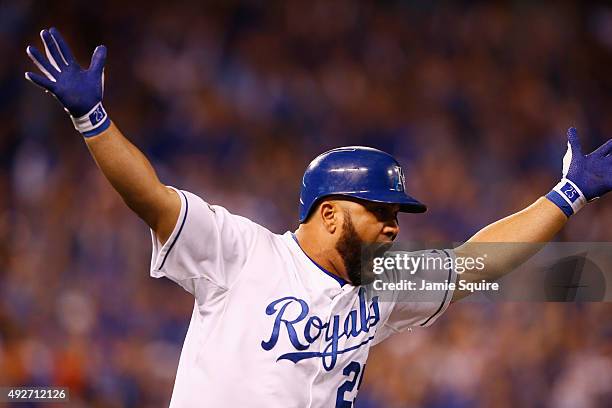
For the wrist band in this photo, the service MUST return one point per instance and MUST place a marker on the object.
(567, 196)
(93, 122)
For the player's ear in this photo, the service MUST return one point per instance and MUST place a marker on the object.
(329, 212)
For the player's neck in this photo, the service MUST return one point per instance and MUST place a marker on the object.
(321, 250)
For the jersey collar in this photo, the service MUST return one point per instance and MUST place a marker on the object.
(338, 279)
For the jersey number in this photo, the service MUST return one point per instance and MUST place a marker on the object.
(352, 371)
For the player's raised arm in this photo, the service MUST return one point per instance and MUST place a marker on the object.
(584, 178)
(80, 92)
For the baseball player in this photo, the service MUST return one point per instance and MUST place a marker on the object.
(287, 320)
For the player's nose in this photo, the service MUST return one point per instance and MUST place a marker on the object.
(391, 229)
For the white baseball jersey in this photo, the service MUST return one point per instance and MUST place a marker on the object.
(270, 328)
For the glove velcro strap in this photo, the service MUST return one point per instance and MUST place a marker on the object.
(93, 122)
(567, 196)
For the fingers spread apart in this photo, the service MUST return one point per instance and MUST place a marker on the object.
(41, 81)
(604, 150)
(64, 50)
(42, 63)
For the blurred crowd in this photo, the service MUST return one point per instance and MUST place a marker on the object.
(231, 100)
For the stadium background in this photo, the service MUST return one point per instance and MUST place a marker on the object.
(231, 100)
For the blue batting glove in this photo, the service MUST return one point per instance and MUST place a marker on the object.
(78, 90)
(585, 177)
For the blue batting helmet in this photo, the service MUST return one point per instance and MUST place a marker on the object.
(356, 171)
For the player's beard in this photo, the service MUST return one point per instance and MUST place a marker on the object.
(357, 255)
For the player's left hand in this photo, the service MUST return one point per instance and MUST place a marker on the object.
(585, 177)
(79, 90)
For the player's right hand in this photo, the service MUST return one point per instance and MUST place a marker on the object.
(79, 90)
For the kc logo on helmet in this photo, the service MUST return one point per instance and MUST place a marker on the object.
(398, 180)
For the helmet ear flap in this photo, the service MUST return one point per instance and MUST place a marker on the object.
(316, 203)
(310, 211)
